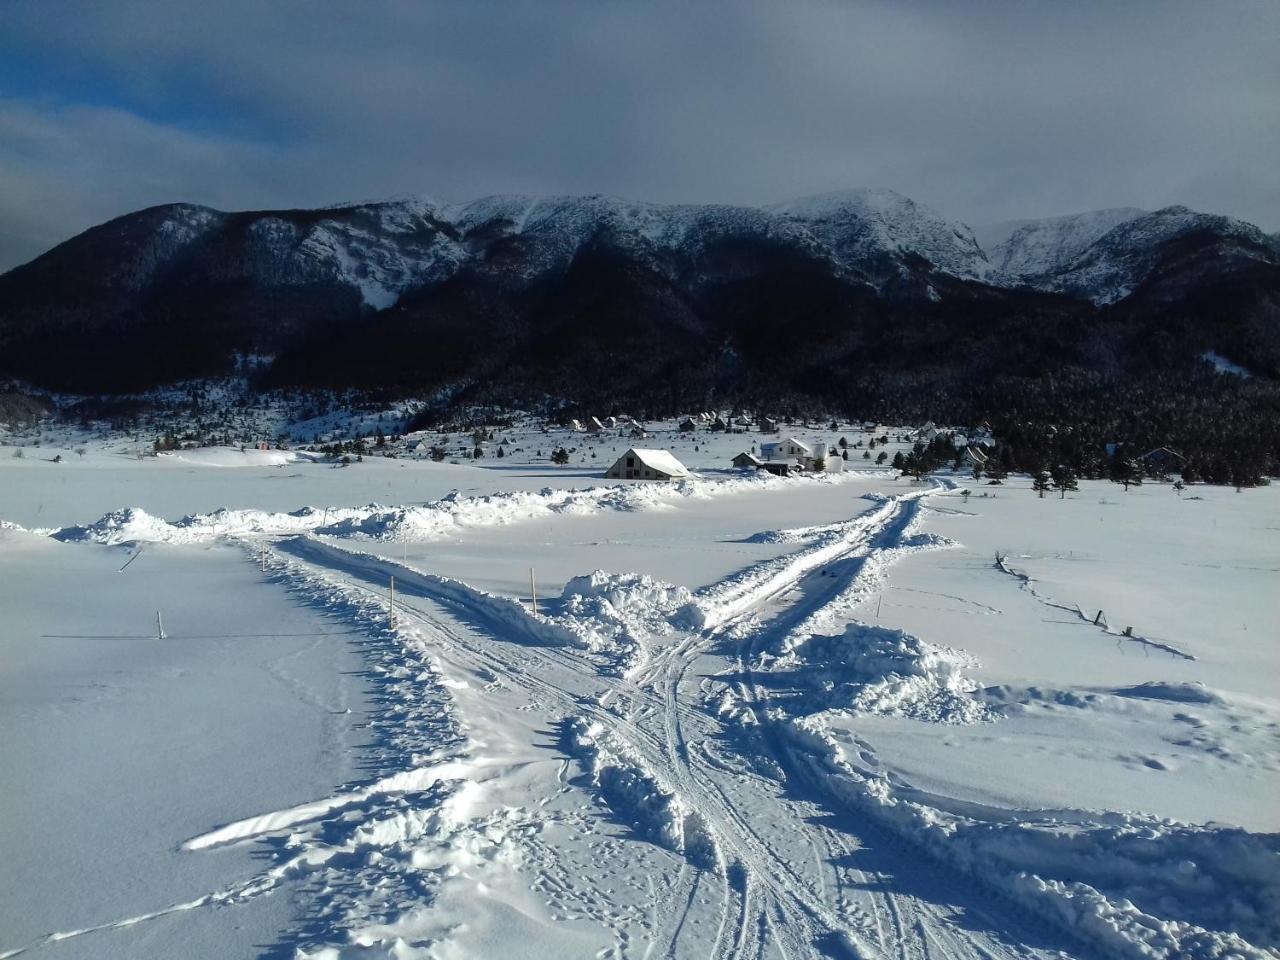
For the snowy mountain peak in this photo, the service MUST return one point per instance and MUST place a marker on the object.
(1105, 255)
(1031, 247)
(858, 221)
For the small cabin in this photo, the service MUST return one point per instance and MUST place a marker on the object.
(746, 460)
(973, 457)
(640, 464)
(594, 425)
(687, 425)
(767, 425)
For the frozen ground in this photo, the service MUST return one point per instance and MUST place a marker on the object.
(781, 718)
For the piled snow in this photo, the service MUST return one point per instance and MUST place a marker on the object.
(1193, 692)
(871, 669)
(636, 796)
(731, 597)
(622, 614)
(1136, 886)
(127, 525)
(236, 457)
(430, 522)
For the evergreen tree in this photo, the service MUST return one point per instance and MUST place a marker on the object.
(1064, 480)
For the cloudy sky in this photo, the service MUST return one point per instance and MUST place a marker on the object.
(987, 111)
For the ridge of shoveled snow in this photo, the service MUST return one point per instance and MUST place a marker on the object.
(431, 521)
(1117, 880)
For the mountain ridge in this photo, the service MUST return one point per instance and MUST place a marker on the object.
(747, 298)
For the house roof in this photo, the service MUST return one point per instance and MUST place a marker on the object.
(747, 457)
(977, 454)
(791, 440)
(661, 460)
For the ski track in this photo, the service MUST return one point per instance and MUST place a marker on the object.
(791, 867)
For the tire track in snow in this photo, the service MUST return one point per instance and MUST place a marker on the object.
(774, 897)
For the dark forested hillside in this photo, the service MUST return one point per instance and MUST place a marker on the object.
(861, 302)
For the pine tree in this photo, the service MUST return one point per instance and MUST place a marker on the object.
(1041, 482)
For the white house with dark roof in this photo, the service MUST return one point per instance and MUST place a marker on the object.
(787, 449)
(641, 464)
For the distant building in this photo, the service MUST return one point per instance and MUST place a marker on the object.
(638, 432)
(744, 460)
(594, 425)
(1162, 460)
(719, 425)
(768, 426)
(790, 448)
(687, 425)
(576, 425)
(973, 457)
(638, 464)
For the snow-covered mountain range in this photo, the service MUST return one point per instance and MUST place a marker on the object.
(260, 281)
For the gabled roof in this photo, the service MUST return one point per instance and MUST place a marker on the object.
(976, 454)
(748, 458)
(791, 440)
(1166, 450)
(661, 460)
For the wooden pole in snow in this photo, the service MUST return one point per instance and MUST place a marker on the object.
(159, 626)
(391, 604)
(533, 592)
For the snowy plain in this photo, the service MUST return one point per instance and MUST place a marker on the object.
(750, 717)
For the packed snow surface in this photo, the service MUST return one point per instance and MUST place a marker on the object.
(516, 712)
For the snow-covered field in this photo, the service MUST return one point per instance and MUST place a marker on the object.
(843, 716)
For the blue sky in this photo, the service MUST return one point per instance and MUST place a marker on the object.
(987, 112)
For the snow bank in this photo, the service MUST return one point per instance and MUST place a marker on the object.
(431, 521)
(729, 598)
(236, 457)
(1139, 887)
(620, 614)
(871, 669)
(636, 796)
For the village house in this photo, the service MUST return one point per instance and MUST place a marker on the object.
(747, 460)
(687, 425)
(640, 464)
(973, 457)
(768, 426)
(594, 425)
(790, 448)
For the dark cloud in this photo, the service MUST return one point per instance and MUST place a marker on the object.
(985, 111)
